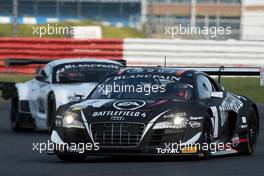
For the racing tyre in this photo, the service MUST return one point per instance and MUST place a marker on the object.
(19, 121)
(51, 112)
(252, 131)
(207, 135)
(71, 157)
(14, 115)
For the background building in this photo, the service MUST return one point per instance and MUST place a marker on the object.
(245, 17)
(113, 12)
(197, 13)
(252, 20)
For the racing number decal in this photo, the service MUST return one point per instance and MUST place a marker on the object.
(215, 120)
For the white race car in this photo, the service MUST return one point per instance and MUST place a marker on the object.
(34, 103)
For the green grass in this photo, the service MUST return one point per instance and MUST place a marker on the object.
(15, 78)
(26, 30)
(243, 86)
(249, 87)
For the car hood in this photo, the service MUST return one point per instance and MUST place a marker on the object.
(144, 111)
(65, 93)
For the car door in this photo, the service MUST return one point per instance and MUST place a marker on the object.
(205, 87)
(40, 92)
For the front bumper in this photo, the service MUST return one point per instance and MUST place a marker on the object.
(145, 142)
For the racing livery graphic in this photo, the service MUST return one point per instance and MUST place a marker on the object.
(34, 103)
(184, 107)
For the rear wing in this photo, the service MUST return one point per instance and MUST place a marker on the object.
(221, 71)
(227, 71)
(21, 62)
(16, 62)
(216, 71)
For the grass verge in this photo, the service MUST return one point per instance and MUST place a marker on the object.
(249, 87)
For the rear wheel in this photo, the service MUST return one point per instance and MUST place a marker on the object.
(51, 112)
(71, 157)
(252, 132)
(19, 121)
(14, 115)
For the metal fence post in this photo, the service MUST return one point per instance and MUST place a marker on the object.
(79, 8)
(193, 13)
(57, 8)
(149, 24)
(15, 14)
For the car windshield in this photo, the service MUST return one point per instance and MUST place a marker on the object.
(142, 88)
(84, 72)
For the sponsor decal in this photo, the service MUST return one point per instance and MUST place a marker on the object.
(85, 65)
(129, 105)
(195, 124)
(243, 126)
(151, 70)
(118, 114)
(196, 118)
(186, 150)
(183, 148)
(244, 119)
(167, 77)
(235, 140)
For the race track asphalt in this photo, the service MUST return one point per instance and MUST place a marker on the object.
(18, 158)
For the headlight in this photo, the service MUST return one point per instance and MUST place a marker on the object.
(173, 121)
(72, 120)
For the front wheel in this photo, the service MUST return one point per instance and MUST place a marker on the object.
(51, 112)
(207, 135)
(252, 132)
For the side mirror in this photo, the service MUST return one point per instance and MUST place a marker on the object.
(217, 95)
(81, 96)
(40, 78)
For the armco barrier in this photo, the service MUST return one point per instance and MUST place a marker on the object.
(51, 49)
(193, 52)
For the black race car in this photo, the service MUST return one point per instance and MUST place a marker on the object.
(157, 111)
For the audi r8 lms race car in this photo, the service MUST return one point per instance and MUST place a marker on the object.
(34, 103)
(157, 111)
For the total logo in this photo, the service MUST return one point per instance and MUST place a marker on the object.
(129, 105)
